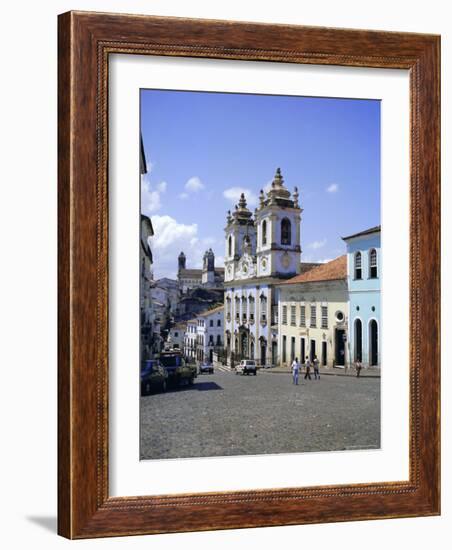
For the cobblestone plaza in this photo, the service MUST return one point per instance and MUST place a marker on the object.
(226, 415)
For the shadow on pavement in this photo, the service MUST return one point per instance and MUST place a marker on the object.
(200, 386)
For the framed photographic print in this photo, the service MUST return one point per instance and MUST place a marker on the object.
(248, 275)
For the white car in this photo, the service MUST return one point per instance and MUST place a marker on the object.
(246, 366)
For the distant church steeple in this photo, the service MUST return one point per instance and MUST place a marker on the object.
(208, 269)
(181, 261)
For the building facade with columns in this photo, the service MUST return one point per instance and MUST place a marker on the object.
(312, 316)
(261, 250)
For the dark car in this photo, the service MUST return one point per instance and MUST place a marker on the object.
(153, 377)
(205, 367)
(179, 372)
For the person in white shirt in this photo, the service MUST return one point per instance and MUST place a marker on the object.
(295, 371)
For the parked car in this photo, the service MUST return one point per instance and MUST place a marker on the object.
(205, 367)
(153, 377)
(246, 366)
(179, 372)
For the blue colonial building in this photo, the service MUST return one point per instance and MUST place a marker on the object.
(364, 275)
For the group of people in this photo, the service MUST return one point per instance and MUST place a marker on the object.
(315, 363)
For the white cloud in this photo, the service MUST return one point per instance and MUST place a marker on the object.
(317, 244)
(167, 232)
(183, 196)
(170, 238)
(194, 185)
(161, 187)
(233, 194)
(150, 195)
(333, 188)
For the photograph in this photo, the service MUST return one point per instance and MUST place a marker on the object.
(260, 274)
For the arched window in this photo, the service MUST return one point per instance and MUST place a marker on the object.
(358, 266)
(286, 233)
(264, 232)
(373, 268)
(230, 246)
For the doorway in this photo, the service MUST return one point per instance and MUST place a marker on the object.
(274, 353)
(244, 344)
(358, 340)
(312, 350)
(263, 351)
(373, 343)
(302, 351)
(340, 348)
(324, 357)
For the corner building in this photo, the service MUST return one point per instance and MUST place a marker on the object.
(260, 252)
(364, 273)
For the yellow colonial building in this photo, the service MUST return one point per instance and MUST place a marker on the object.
(312, 315)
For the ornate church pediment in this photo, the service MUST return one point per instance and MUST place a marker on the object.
(246, 268)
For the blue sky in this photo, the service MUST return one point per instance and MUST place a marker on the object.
(203, 149)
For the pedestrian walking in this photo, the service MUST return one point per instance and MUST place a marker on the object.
(316, 364)
(358, 367)
(295, 371)
(308, 368)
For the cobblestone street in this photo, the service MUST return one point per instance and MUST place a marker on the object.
(224, 415)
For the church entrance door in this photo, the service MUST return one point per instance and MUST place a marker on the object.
(244, 344)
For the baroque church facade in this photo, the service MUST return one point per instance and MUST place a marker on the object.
(262, 249)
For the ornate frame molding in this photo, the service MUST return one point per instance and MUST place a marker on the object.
(85, 42)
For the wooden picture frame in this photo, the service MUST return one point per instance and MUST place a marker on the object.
(85, 508)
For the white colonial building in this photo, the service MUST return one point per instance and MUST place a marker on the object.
(204, 335)
(210, 333)
(190, 338)
(313, 311)
(260, 252)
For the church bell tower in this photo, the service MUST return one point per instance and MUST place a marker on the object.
(277, 221)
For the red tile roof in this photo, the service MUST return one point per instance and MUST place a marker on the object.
(329, 271)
